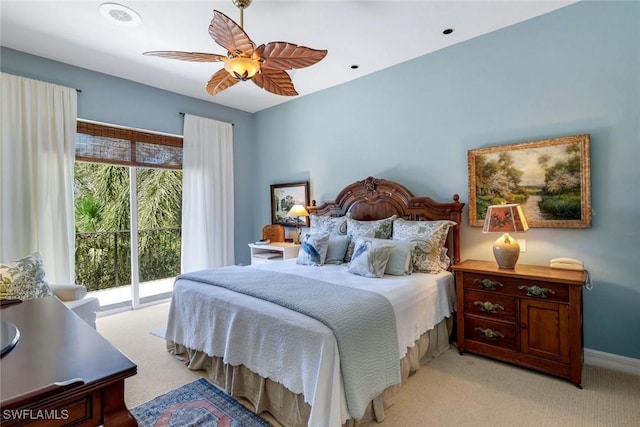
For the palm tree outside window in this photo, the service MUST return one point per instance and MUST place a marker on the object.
(111, 163)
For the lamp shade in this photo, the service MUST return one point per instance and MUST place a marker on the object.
(505, 219)
(297, 210)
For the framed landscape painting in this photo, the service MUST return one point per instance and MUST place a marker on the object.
(283, 197)
(550, 179)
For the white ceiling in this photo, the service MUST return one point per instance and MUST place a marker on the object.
(372, 34)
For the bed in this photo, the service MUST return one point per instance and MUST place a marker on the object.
(345, 367)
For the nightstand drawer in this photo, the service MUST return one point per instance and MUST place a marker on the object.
(516, 286)
(488, 332)
(490, 305)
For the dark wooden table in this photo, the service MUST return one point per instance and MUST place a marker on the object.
(62, 371)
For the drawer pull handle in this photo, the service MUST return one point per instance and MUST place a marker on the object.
(487, 284)
(488, 333)
(536, 291)
(488, 306)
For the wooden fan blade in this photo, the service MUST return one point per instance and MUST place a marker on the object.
(286, 56)
(230, 35)
(187, 56)
(219, 82)
(275, 81)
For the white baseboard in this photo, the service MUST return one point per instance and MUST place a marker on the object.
(615, 362)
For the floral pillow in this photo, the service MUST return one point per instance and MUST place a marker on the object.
(370, 258)
(379, 229)
(430, 237)
(313, 250)
(23, 279)
(328, 224)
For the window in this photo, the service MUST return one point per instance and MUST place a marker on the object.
(111, 164)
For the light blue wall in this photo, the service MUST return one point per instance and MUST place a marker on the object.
(122, 102)
(576, 70)
(573, 71)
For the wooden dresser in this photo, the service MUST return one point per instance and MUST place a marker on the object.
(530, 316)
(61, 372)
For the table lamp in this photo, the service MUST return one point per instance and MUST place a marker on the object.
(296, 212)
(505, 219)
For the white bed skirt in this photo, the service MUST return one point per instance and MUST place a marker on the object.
(290, 409)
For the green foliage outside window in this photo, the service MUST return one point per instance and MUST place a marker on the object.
(103, 241)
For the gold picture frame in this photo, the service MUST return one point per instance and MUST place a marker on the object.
(550, 178)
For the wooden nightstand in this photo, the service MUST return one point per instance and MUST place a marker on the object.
(272, 252)
(530, 316)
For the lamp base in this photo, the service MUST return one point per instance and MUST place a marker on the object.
(506, 250)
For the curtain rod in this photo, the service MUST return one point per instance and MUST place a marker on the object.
(79, 90)
(182, 114)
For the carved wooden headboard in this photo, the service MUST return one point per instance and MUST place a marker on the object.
(375, 198)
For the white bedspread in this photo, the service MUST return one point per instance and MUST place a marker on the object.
(290, 348)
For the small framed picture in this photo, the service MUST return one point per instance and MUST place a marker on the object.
(283, 197)
(550, 179)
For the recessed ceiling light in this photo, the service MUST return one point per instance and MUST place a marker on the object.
(448, 31)
(355, 66)
(119, 14)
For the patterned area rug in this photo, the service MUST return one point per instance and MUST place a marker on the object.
(199, 403)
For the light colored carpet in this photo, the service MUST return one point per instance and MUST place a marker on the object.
(452, 390)
(159, 332)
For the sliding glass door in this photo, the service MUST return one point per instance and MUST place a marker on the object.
(110, 222)
(158, 222)
(128, 199)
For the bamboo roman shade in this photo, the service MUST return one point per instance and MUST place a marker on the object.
(100, 143)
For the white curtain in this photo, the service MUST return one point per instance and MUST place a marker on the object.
(37, 152)
(207, 194)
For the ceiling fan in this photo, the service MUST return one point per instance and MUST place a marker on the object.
(265, 65)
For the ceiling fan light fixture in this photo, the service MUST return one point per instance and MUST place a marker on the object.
(265, 65)
(242, 68)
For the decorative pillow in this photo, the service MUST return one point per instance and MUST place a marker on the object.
(23, 279)
(328, 224)
(313, 249)
(369, 258)
(379, 229)
(430, 237)
(337, 249)
(401, 257)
